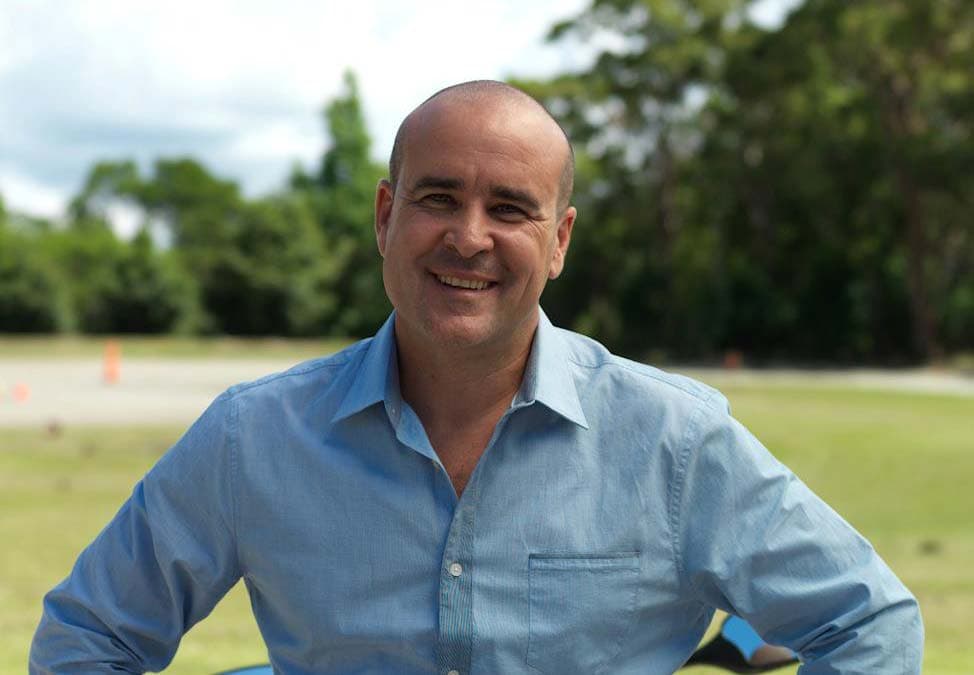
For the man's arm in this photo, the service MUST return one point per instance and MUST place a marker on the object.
(158, 567)
(753, 540)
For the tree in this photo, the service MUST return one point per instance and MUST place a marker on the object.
(341, 193)
(31, 300)
(151, 293)
(115, 286)
(632, 117)
(271, 276)
(802, 192)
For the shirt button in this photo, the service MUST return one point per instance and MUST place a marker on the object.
(456, 569)
(454, 672)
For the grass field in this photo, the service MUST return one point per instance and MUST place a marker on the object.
(897, 465)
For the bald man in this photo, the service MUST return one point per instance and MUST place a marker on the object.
(473, 490)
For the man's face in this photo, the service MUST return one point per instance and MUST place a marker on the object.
(472, 233)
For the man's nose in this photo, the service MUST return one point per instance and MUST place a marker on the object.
(470, 233)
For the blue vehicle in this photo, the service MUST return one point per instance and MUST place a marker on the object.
(739, 649)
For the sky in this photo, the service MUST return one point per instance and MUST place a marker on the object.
(241, 84)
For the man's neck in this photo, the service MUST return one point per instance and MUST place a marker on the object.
(463, 384)
(460, 393)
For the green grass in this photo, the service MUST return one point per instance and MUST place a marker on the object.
(55, 495)
(896, 465)
(164, 346)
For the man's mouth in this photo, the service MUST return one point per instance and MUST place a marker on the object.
(469, 284)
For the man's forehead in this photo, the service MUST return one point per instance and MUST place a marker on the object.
(489, 111)
(487, 127)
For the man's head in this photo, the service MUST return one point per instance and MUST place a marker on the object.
(474, 219)
(484, 89)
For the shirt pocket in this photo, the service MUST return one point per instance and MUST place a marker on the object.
(580, 609)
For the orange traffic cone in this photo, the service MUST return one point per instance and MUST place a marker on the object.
(20, 393)
(113, 362)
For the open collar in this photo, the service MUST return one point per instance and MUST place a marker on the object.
(547, 376)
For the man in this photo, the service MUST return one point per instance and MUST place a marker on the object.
(474, 490)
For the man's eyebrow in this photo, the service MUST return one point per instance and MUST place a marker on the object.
(440, 182)
(515, 195)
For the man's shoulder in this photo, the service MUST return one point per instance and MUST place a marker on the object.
(593, 364)
(315, 374)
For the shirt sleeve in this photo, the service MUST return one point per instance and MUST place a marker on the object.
(158, 568)
(753, 540)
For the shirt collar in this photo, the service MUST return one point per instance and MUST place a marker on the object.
(377, 377)
(547, 376)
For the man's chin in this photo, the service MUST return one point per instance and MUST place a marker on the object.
(464, 332)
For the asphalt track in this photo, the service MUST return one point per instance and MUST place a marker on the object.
(175, 391)
(148, 391)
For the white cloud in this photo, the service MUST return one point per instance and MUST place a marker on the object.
(31, 197)
(239, 84)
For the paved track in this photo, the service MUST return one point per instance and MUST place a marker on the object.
(175, 391)
(149, 391)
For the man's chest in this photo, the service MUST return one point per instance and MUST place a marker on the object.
(548, 557)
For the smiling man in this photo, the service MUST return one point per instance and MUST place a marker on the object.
(470, 227)
(474, 490)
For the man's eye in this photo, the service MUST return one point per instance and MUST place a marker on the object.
(439, 199)
(509, 211)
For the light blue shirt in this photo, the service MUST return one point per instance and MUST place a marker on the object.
(614, 508)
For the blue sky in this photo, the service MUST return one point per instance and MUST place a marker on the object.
(239, 84)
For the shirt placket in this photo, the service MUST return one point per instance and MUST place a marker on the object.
(456, 591)
(457, 568)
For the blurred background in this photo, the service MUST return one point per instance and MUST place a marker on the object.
(788, 180)
(774, 196)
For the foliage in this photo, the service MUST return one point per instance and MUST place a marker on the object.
(801, 192)
(152, 294)
(342, 192)
(301, 262)
(269, 277)
(31, 299)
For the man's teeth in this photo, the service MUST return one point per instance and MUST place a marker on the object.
(463, 283)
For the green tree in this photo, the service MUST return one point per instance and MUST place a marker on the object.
(151, 293)
(271, 276)
(198, 209)
(801, 192)
(31, 299)
(638, 262)
(234, 266)
(342, 192)
(107, 182)
(116, 286)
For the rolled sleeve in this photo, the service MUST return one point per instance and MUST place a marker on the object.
(158, 567)
(755, 541)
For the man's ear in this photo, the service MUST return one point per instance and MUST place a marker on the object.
(383, 212)
(562, 238)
